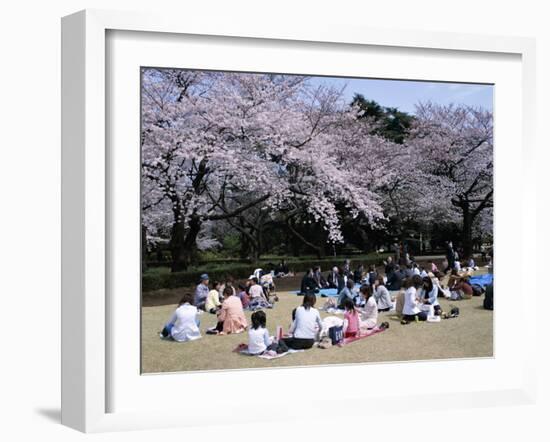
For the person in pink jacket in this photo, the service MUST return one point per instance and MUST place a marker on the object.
(231, 314)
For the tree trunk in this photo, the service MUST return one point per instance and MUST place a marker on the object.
(254, 256)
(183, 244)
(467, 222)
(259, 246)
(319, 251)
(244, 249)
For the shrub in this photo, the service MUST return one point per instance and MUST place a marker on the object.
(159, 279)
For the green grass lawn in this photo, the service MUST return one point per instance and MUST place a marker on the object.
(468, 336)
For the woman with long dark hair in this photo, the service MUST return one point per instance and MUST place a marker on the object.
(306, 325)
(411, 311)
(428, 294)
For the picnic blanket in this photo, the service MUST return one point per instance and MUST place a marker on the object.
(243, 350)
(326, 293)
(482, 280)
(367, 334)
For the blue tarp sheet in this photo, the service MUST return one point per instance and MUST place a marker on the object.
(327, 292)
(482, 280)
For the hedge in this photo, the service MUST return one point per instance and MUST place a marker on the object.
(261, 261)
(156, 281)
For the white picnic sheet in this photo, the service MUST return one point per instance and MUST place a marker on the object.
(271, 354)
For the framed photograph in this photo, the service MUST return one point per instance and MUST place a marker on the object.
(287, 210)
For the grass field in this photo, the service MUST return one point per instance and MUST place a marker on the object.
(468, 336)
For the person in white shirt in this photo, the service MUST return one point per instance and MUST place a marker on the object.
(184, 323)
(382, 295)
(437, 281)
(259, 340)
(428, 296)
(369, 314)
(257, 274)
(256, 290)
(306, 325)
(411, 310)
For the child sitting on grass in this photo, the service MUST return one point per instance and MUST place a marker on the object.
(259, 340)
(213, 303)
(351, 320)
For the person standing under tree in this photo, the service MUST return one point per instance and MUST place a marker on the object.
(450, 255)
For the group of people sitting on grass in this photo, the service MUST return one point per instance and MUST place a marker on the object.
(411, 290)
(306, 326)
(221, 299)
(253, 294)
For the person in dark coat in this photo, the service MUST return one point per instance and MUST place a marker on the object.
(319, 278)
(450, 255)
(395, 280)
(308, 283)
(488, 301)
(372, 275)
(358, 274)
(389, 266)
(342, 277)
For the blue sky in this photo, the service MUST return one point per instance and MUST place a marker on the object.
(405, 94)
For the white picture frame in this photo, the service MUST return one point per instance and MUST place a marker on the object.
(85, 201)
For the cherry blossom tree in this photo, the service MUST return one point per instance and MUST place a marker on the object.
(221, 146)
(453, 151)
(250, 153)
(201, 146)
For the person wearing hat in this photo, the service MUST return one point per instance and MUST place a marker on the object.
(201, 292)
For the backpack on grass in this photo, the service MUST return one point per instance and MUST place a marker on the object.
(336, 334)
(281, 347)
